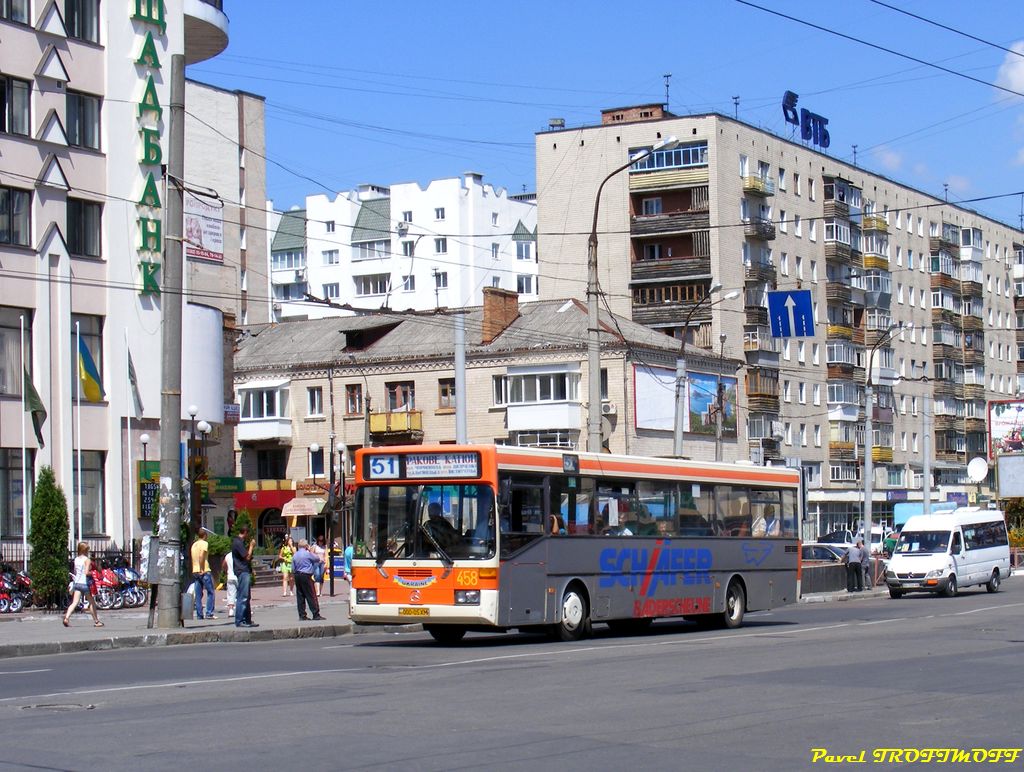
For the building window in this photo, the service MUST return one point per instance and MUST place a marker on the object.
(17, 11)
(524, 250)
(373, 284)
(494, 219)
(82, 19)
(797, 228)
(652, 251)
(90, 330)
(782, 178)
(14, 104)
(440, 280)
(371, 250)
(15, 216)
(693, 154)
(84, 227)
(494, 250)
(10, 348)
(314, 401)
(537, 387)
(526, 284)
(332, 291)
(292, 291)
(316, 462)
(83, 116)
(332, 257)
(353, 399)
(441, 246)
(407, 216)
(271, 464)
(93, 523)
(11, 488)
(258, 404)
(651, 206)
(446, 394)
(401, 396)
(409, 283)
(329, 225)
(294, 259)
(407, 248)
(439, 213)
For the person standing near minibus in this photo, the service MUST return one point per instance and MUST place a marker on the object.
(241, 556)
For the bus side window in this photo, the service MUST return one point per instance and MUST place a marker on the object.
(957, 546)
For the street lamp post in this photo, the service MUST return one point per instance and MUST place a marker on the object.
(344, 523)
(331, 511)
(869, 440)
(681, 377)
(193, 468)
(593, 320)
(720, 398)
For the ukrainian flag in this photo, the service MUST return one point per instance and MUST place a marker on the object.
(92, 385)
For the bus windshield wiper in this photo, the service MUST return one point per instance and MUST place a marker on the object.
(437, 547)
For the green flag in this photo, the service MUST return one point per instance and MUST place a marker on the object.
(34, 405)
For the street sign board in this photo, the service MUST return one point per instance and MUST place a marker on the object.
(791, 314)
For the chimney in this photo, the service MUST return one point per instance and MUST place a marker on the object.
(501, 308)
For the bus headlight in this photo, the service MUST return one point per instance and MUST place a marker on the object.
(366, 596)
(934, 574)
(467, 597)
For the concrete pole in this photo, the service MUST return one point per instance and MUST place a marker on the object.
(169, 523)
(720, 398)
(593, 345)
(927, 440)
(461, 433)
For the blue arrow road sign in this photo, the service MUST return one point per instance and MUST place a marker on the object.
(791, 314)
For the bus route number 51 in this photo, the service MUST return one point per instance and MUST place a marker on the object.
(384, 467)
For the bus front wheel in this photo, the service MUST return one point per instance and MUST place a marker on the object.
(575, 621)
(735, 605)
(446, 633)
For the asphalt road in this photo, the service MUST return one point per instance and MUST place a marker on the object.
(920, 672)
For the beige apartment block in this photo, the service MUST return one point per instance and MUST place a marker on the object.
(919, 294)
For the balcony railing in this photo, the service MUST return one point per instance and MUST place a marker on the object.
(758, 186)
(874, 222)
(401, 422)
(759, 228)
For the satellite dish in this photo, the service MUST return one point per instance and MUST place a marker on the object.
(977, 469)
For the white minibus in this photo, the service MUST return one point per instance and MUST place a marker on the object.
(945, 551)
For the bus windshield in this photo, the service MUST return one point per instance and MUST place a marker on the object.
(446, 522)
(922, 542)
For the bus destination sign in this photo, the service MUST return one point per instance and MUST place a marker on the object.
(442, 465)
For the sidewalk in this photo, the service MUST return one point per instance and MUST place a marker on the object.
(35, 631)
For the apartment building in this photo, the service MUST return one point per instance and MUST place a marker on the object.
(85, 90)
(404, 246)
(914, 293)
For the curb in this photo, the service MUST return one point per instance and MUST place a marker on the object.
(843, 596)
(173, 639)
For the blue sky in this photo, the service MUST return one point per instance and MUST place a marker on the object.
(402, 91)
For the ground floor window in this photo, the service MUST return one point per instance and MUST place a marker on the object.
(11, 488)
(93, 518)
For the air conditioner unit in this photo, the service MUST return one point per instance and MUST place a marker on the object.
(300, 274)
(277, 307)
(608, 408)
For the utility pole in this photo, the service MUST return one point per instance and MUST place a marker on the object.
(169, 599)
(720, 399)
(461, 433)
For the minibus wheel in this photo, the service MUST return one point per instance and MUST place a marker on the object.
(993, 583)
(951, 589)
(895, 593)
(446, 633)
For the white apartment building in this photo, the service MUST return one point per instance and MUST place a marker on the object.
(922, 296)
(404, 246)
(85, 91)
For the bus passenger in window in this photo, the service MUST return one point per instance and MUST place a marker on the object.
(760, 525)
(557, 528)
(771, 521)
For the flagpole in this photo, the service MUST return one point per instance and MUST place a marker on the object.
(131, 476)
(78, 451)
(24, 455)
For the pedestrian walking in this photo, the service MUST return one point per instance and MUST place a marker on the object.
(320, 550)
(304, 565)
(853, 558)
(230, 583)
(241, 557)
(81, 586)
(347, 563)
(202, 577)
(285, 556)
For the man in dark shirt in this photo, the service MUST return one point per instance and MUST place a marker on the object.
(241, 554)
(303, 566)
(854, 575)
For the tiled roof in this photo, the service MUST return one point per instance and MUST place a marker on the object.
(291, 232)
(373, 223)
(522, 233)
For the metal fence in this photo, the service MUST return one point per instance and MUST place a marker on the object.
(101, 550)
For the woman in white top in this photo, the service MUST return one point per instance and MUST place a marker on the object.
(231, 583)
(80, 585)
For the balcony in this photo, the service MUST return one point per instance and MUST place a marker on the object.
(971, 323)
(840, 331)
(839, 371)
(881, 454)
(206, 29)
(943, 281)
(763, 403)
(756, 316)
(936, 243)
(669, 269)
(838, 292)
(397, 427)
(758, 186)
(876, 261)
(669, 223)
(874, 222)
(834, 208)
(759, 228)
(945, 316)
(841, 450)
(760, 271)
(264, 429)
(974, 391)
(838, 252)
(944, 422)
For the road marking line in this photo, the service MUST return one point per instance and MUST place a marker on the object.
(882, 621)
(986, 608)
(24, 672)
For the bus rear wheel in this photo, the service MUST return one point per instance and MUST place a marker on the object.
(575, 621)
(735, 605)
(446, 633)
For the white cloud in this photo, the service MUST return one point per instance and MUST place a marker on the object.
(958, 184)
(888, 158)
(1011, 71)
(1019, 160)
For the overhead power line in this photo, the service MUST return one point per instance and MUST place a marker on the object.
(948, 29)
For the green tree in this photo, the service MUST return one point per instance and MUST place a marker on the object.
(243, 519)
(1014, 509)
(48, 537)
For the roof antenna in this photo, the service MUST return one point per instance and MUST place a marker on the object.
(667, 76)
(854, 155)
(736, 107)
(945, 190)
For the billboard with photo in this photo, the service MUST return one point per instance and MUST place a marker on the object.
(655, 401)
(204, 228)
(1005, 427)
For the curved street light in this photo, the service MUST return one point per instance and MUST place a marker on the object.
(681, 377)
(593, 320)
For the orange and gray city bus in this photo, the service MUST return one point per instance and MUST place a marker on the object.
(492, 537)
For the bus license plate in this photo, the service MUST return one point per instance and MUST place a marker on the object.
(408, 611)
